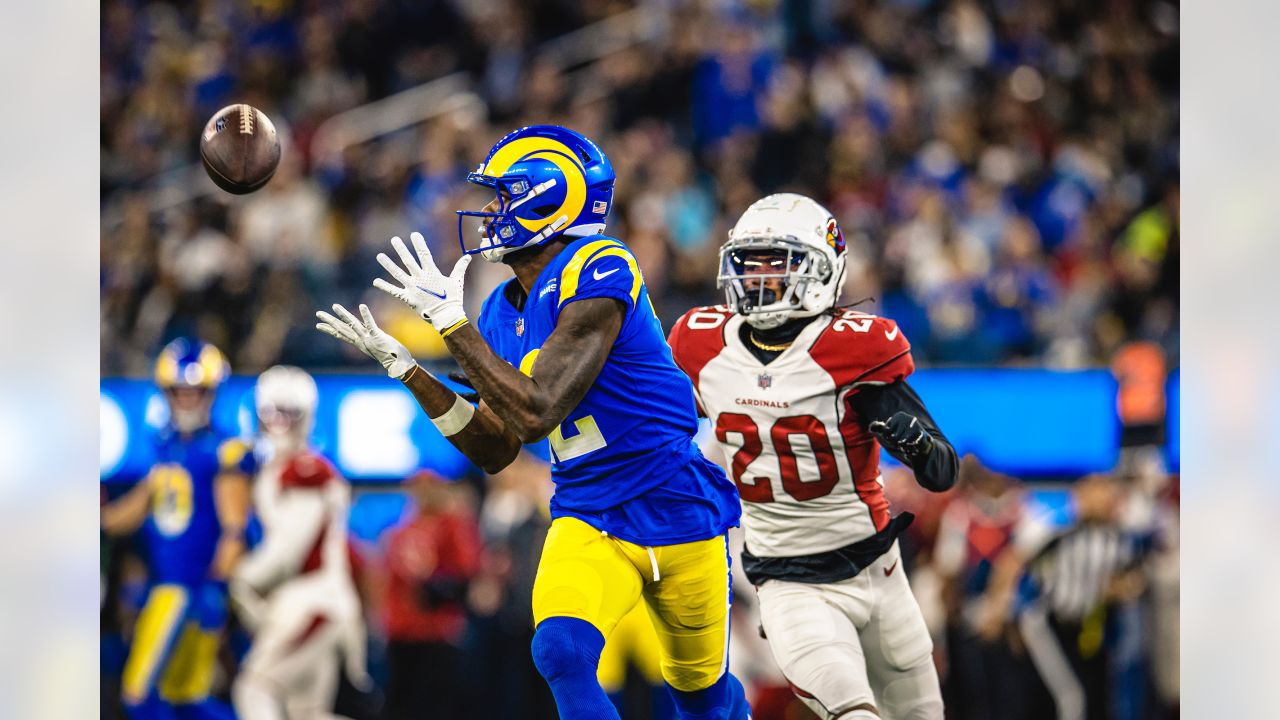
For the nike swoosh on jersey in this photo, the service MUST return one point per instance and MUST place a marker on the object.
(442, 296)
(889, 570)
(891, 335)
(602, 275)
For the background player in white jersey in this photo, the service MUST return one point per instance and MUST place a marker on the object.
(802, 396)
(295, 589)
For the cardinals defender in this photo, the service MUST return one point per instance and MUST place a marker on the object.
(295, 591)
(802, 396)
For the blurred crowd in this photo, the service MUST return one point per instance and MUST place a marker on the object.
(1006, 173)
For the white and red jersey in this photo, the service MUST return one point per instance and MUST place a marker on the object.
(302, 561)
(297, 591)
(806, 468)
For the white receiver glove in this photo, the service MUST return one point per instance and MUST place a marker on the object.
(432, 294)
(368, 337)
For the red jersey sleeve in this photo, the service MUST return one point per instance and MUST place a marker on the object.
(857, 348)
(696, 338)
(306, 471)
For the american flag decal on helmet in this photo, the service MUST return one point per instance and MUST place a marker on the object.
(598, 207)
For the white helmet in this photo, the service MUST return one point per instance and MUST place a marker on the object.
(286, 400)
(789, 238)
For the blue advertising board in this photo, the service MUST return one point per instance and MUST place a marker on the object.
(1028, 422)
(369, 426)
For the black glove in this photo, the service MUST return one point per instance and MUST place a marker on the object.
(903, 436)
(459, 377)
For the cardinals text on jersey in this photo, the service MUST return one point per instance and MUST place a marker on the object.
(806, 469)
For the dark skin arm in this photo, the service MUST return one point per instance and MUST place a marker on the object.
(486, 440)
(531, 406)
(516, 408)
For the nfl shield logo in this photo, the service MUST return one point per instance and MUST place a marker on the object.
(765, 381)
(519, 327)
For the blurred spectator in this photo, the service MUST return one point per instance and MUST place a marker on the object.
(975, 530)
(430, 562)
(1074, 566)
(514, 520)
(729, 83)
(1141, 374)
(1019, 291)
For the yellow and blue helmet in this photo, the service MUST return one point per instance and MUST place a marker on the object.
(549, 181)
(190, 363)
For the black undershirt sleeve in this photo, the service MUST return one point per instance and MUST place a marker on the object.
(936, 471)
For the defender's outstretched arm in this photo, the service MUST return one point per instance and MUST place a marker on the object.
(896, 415)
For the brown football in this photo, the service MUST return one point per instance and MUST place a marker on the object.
(240, 149)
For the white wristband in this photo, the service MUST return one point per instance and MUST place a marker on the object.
(453, 421)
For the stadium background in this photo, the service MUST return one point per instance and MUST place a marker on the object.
(1006, 175)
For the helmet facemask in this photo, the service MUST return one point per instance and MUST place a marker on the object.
(546, 181)
(771, 280)
(500, 230)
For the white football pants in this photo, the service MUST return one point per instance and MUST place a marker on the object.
(291, 670)
(861, 641)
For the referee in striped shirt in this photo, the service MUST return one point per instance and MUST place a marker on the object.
(1056, 579)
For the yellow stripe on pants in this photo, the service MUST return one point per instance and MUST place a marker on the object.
(158, 623)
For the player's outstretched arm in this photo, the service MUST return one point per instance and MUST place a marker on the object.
(532, 405)
(565, 368)
(476, 432)
(232, 500)
(127, 513)
(897, 417)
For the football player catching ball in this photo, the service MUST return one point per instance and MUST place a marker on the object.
(571, 350)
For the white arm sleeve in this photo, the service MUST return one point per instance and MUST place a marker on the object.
(285, 546)
(249, 605)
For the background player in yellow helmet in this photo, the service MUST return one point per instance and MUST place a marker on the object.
(191, 510)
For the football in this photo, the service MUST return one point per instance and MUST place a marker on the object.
(240, 149)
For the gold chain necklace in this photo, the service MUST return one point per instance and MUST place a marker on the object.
(767, 348)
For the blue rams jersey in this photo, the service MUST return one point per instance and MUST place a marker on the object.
(182, 528)
(624, 460)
